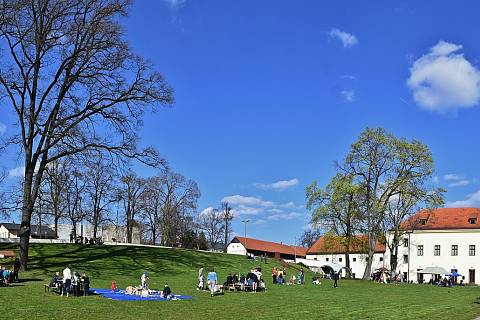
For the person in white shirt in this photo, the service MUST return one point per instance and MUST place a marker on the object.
(144, 279)
(67, 280)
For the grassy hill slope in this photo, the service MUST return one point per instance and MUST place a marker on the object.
(353, 300)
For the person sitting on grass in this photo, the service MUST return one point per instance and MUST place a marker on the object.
(56, 281)
(292, 280)
(229, 280)
(167, 292)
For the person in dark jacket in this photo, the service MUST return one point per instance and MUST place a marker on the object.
(86, 284)
(335, 279)
(167, 292)
(16, 268)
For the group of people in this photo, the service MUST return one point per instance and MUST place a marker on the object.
(252, 281)
(279, 276)
(8, 276)
(82, 240)
(71, 283)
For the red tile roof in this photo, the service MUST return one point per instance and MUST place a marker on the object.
(334, 244)
(444, 218)
(268, 246)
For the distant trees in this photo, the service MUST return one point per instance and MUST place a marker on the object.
(211, 223)
(381, 181)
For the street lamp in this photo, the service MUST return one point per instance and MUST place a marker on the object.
(245, 235)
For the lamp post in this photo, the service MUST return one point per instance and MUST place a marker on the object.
(245, 235)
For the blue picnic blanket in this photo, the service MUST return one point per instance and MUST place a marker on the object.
(121, 295)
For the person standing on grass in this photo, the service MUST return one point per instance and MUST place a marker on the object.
(86, 284)
(67, 280)
(144, 279)
(212, 281)
(335, 279)
(274, 275)
(16, 268)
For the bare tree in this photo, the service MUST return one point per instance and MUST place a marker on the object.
(211, 222)
(100, 179)
(179, 198)
(130, 194)
(56, 183)
(151, 206)
(227, 217)
(74, 201)
(71, 79)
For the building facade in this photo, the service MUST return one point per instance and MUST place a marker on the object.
(448, 238)
(330, 249)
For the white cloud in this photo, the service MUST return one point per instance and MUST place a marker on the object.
(284, 216)
(279, 185)
(287, 205)
(443, 80)
(260, 222)
(3, 128)
(206, 211)
(348, 40)
(472, 200)
(246, 210)
(456, 180)
(175, 4)
(247, 201)
(17, 172)
(348, 95)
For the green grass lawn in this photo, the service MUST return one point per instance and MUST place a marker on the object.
(352, 300)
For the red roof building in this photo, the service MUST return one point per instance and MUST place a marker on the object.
(261, 247)
(444, 218)
(335, 245)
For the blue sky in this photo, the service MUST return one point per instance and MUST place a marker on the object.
(276, 91)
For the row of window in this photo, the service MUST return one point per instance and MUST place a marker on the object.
(454, 250)
(353, 259)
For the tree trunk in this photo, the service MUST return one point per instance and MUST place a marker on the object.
(371, 250)
(347, 265)
(27, 210)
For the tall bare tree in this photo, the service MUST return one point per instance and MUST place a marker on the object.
(100, 178)
(211, 223)
(130, 194)
(179, 198)
(56, 184)
(74, 84)
(227, 217)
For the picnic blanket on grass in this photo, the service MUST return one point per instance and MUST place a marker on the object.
(121, 295)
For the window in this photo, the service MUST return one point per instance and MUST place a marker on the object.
(420, 250)
(327, 259)
(471, 250)
(405, 242)
(354, 259)
(315, 258)
(381, 259)
(472, 220)
(405, 258)
(340, 259)
(454, 250)
(423, 222)
(436, 250)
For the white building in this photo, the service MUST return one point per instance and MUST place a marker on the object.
(448, 238)
(330, 249)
